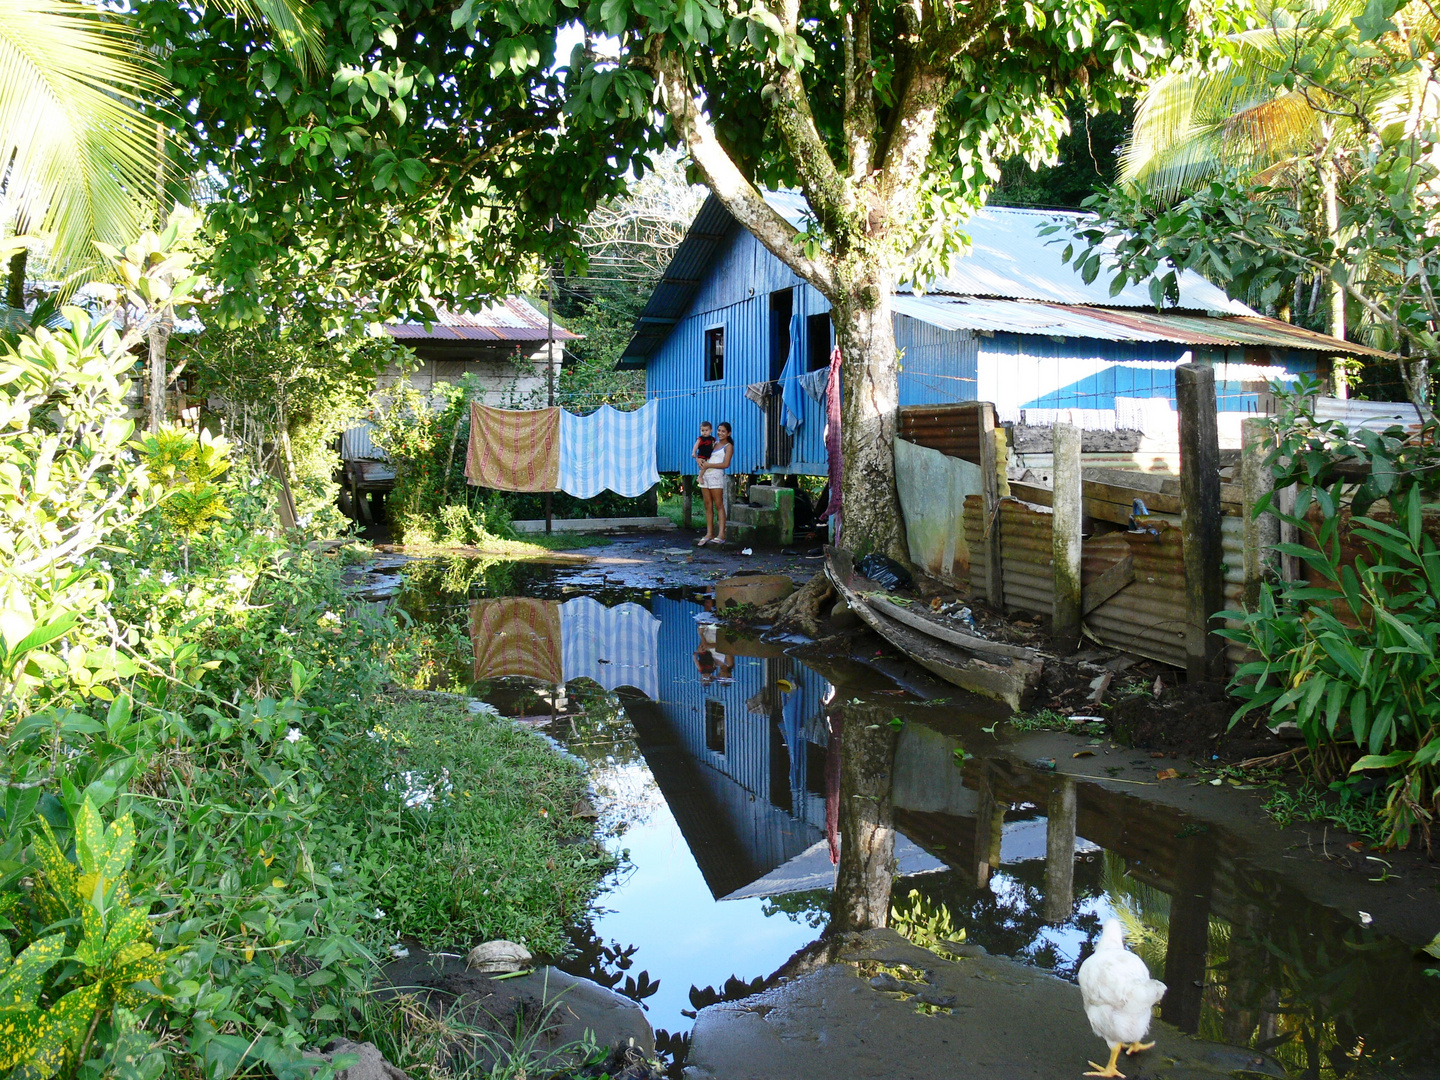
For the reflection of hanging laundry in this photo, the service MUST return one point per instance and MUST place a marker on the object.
(790, 381)
(608, 449)
(614, 646)
(513, 450)
(516, 636)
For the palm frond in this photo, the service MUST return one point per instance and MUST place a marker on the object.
(291, 23)
(80, 158)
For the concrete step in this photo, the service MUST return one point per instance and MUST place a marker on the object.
(761, 494)
(749, 514)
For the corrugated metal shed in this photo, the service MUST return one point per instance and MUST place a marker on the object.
(510, 319)
(1107, 324)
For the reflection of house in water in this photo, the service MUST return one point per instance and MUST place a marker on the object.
(737, 745)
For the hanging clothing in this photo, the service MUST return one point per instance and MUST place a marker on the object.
(815, 382)
(516, 636)
(608, 449)
(761, 393)
(616, 646)
(790, 392)
(832, 437)
(513, 450)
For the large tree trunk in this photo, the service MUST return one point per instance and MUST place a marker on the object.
(870, 505)
(159, 346)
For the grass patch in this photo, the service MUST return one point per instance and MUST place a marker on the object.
(462, 830)
(1361, 815)
(1050, 720)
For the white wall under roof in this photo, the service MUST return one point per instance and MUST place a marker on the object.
(1009, 258)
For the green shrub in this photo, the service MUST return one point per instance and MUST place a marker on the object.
(1353, 660)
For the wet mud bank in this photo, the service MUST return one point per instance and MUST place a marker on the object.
(884, 1007)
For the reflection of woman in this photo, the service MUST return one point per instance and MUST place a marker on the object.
(707, 656)
(712, 486)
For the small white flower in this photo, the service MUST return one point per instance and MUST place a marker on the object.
(330, 617)
(284, 630)
(167, 578)
(238, 581)
(144, 572)
(255, 482)
(104, 566)
(293, 735)
(379, 913)
(304, 521)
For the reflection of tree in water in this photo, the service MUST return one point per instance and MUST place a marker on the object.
(433, 586)
(810, 908)
(1007, 916)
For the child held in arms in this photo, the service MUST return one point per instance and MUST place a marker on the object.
(705, 444)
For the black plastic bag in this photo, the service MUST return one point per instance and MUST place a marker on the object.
(887, 573)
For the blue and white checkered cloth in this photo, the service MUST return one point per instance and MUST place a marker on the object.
(608, 449)
(616, 646)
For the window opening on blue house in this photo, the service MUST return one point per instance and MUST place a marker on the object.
(715, 354)
(715, 725)
(782, 306)
(818, 329)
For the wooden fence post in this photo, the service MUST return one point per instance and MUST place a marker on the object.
(1065, 539)
(990, 503)
(1200, 517)
(687, 499)
(1261, 533)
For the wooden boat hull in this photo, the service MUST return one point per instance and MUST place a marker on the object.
(1004, 673)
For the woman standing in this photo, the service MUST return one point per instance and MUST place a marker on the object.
(712, 486)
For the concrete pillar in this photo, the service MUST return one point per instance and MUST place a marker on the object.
(1200, 517)
(1060, 852)
(1262, 532)
(1065, 537)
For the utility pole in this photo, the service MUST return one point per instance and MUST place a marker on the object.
(549, 372)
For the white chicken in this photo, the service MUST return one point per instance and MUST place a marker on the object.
(1119, 996)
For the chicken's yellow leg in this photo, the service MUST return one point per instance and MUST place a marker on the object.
(1109, 1070)
(1136, 1047)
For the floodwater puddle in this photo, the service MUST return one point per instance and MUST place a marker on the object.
(728, 775)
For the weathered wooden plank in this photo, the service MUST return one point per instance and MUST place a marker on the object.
(1200, 518)
(1108, 584)
(990, 496)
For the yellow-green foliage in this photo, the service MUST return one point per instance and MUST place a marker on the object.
(188, 468)
(105, 945)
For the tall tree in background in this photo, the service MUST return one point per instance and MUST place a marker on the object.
(889, 116)
(1313, 163)
(1288, 102)
(628, 242)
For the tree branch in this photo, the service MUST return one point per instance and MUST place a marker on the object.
(859, 93)
(735, 193)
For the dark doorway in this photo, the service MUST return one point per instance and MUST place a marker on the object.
(782, 306)
(817, 331)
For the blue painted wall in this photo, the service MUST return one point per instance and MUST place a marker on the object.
(937, 366)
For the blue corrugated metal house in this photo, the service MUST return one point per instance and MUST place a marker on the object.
(1010, 323)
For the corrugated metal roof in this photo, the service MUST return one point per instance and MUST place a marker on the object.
(1109, 324)
(1008, 259)
(510, 319)
(676, 289)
